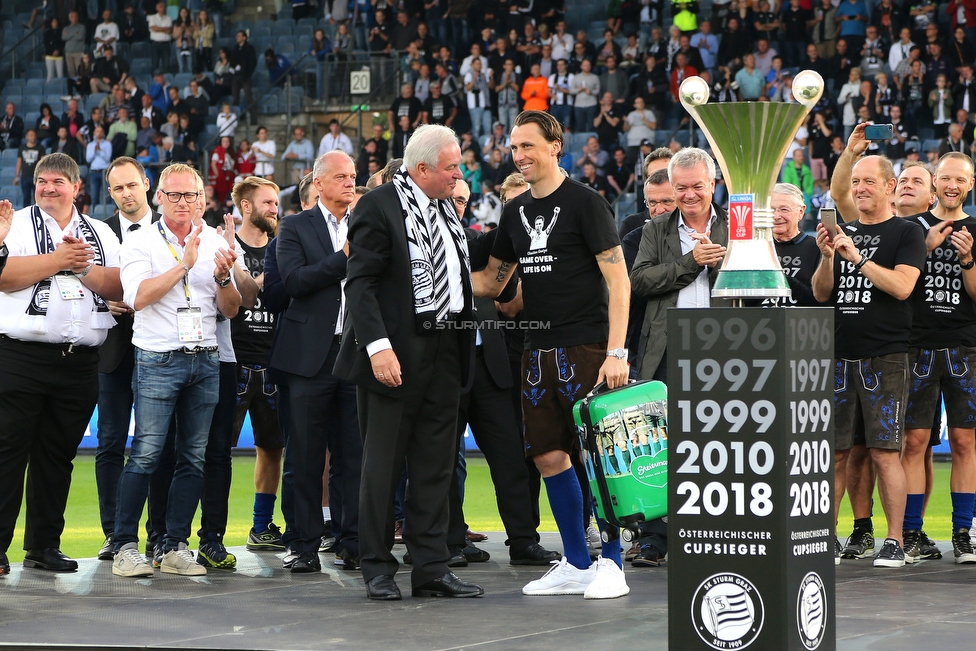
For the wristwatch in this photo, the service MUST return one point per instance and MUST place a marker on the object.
(224, 282)
(968, 265)
(619, 353)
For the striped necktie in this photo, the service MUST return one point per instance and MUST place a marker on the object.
(442, 293)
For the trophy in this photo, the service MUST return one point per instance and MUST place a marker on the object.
(750, 140)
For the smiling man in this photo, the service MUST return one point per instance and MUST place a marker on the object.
(683, 279)
(176, 292)
(574, 278)
(408, 285)
(797, 252)
(59, 270)
(867, 271)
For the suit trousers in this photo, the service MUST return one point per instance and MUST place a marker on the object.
(323, 415)
(114, 413)
(218, 463)
(487, 409)
(46, 400)
(419, 426)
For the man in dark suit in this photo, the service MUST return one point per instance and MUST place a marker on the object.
(311, 255)
(127, 185)
(408, 286)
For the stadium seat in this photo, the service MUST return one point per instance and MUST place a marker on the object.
(56, 86)
(281, 29)
(103, 211)
(17, 99)
(14, 85)
(269, 104)
(13, 195)
(7, 174)
(969, 210)
(55, 102)
(260, 32)
(580, 138)
(83, 171)
(30, 118)
(8, 157)
(93, 100)
(307, 22)
(182, 80)
(286, 46)
(34, 87)
(139, 50)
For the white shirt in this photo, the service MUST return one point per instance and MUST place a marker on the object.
(898, 52)
(562, 46)
(226, 124)
(330, 142)
(338, 232)
(466, 64)
(66, 321)
(160, 21)
(107, 32)
(126, 226)
(145, 255)
(264, 154)
(453, 266)
(225, 342)
(697, 293)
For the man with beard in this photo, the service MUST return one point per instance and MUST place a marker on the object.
(252, 331)
(943, 337)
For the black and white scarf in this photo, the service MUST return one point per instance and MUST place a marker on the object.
(36, 314)
(428, 282)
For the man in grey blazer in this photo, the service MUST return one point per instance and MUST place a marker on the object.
(679, 254)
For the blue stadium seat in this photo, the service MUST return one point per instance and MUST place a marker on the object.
(8, 157)
(34, 86)
(103, 210)
(30, 119)
(94, 100)
(7, 174)
(287, 45)
(260, 32)
(13, 195)
(83, 171)
(56, 86)
(270, 104)
(182, 80)
(308, 22)
(31, 103)
(969, 210)
(17, 99)
(139, 50)
(930, 144)
(282, 29)
(56, 103)
(14, 84)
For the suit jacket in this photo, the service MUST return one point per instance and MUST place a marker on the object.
(493, 346)
(118, 344)
(660, 271)
(379, 296)
(312, 273)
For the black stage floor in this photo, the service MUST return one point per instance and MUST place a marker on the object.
(931, 605)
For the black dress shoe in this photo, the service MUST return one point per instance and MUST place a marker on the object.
(306, 562)
(107, 552)
(407, 560)
(50, 558)
(473, 554)
(535, 554)
(448, 585)
(4, 564)
(383, 588)
(347, 560)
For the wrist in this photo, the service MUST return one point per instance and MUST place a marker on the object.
(860, 263)
(85, 272)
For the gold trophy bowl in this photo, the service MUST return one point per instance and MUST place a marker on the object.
(750, 141)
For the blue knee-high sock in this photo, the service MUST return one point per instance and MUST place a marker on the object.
(263, 510)
(611, 549)
(566, 501)
(913, 511)
(962, 509)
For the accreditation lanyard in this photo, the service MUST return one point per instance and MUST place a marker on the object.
(189, 319)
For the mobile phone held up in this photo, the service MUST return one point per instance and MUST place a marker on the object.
(878, 132)
(828, 217)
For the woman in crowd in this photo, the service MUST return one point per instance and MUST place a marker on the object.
(222, 169)
(54, 50)
(184, 38)
(246, 160)
(47, 126)
(205, 33)
(320, 45)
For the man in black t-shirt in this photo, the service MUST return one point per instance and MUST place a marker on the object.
(574, 283)
(597, 183)
(404, 105)
(797, 251)
(27, 156)
(878, 261)
(943, 356)
(252, 331)
(438, 108)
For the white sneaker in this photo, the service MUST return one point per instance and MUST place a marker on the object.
(562, 578)
(593, 539)
(129, 562)
(609, 583)
(181, 561)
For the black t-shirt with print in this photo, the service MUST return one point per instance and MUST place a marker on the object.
(252, 330)
(555, 240)
(30, 154)
(867, 321)
(799, 258)
(944, 314)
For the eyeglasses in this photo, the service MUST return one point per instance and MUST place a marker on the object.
(174, 197)
(652, 203)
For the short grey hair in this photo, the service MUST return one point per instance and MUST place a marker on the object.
(426, 144)
(58, 163)
(658, 177)
(689, 157)
(792, 191)
(322, 162)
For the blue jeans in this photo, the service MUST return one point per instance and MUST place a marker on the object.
(114, 411)
(583, 117)
(167, 385)
(480, 122)
(95, 183)
(563, 113)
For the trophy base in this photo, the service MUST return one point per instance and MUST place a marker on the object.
(751, 283)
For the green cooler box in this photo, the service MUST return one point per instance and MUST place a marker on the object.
(624, 437)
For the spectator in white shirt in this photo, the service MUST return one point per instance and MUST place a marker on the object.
(264, 151)
(106, 33)
(226, 121)
(335, 139)
(160, 38)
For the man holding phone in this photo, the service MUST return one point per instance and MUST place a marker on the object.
(943, 341)
(877, 263)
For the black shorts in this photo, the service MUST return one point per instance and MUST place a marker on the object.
(941, 374)
(552, 381)
(869, 401)
(259, 396)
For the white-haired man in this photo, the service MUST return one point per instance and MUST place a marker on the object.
(408, 283)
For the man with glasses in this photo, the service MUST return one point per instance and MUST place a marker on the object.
(797, 252)
(177, 295)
